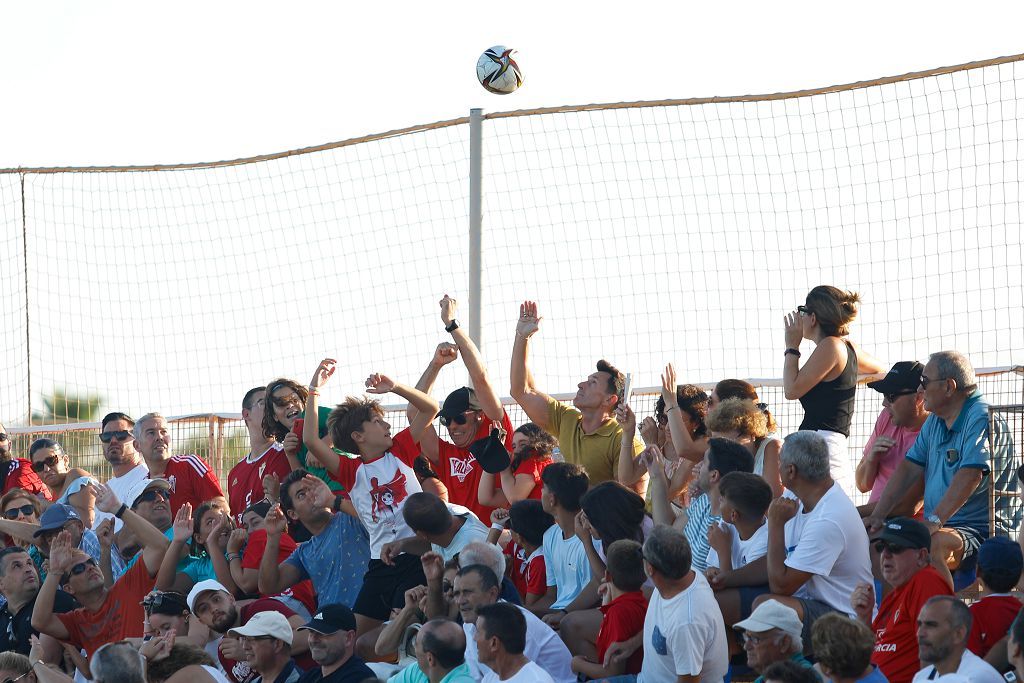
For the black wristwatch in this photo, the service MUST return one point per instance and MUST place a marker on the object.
(452, 326)
(792, 352)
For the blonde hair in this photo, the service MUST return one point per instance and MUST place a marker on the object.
(740, 416)
(834, 308)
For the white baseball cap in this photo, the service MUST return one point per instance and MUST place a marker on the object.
(772, 614)
(140, 487)
(273, 624)
(203, 587)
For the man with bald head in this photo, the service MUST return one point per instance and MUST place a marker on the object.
(440, 655)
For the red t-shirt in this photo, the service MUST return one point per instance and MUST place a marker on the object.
(534, 468)
(241, 671)
(993, 615)
(245, 480)
(528, 574)
(120, 616)
(623, 619)
(20, 475)
(895, 625)
(459, 471)
(254, 549)
(191, 480)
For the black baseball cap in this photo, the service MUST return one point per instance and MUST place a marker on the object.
(330, 619)
(904, 377)
(458, 402)
(905, 532)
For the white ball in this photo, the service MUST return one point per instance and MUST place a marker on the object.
(498, 71)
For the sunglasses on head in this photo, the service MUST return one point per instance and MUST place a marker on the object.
(459, 419)
(79, 568)
(50, 461)
(120, 435)
(151, 495)
(25, 510)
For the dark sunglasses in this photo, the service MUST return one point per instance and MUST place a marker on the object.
(26, 510)
(51, 461)
(803, 310)
(882, 546)
(120, 435)
(3, 436)
(294, 399)
(459, 419)
(151, 495)
(447, 586)
(925, 381)
(891, 398)
(79, 568)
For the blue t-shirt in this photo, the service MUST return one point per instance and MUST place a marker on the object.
(335, 560)
(943, 452)
(568, 568)
(876, 676)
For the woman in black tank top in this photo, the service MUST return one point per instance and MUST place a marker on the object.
(826, 384)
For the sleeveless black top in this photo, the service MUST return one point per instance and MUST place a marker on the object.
(829, 405)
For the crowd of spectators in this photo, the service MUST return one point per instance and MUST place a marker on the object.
(695, 544)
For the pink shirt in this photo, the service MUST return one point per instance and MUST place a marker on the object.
(904, 439)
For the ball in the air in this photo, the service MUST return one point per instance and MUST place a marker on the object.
(497, 70)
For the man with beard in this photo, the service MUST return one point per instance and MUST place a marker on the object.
(17, 473)
(192, 480)
(942, 629)
(332, 642)
(469, 414)
(19, 585)
(213, 605)
(126, 465)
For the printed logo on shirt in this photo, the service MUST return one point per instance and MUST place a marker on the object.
(659, 642)
(461, 468)
(173, 482)
(260, 472)
(386, 498)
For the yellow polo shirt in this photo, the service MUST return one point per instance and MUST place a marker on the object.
(598, 452)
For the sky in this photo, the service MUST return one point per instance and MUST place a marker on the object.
(129, 83)
(119, 83)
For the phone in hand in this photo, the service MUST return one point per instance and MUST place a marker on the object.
(627, 391)
(297, 427)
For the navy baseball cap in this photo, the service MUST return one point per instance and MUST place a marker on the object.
(55, 517)
(330, 619)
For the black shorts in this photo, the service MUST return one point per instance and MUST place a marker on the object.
(384, 586)
(813, 609)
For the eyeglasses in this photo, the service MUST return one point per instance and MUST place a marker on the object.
(79, 568)
(24, 510)
(151, 495)
(882, 546)
(120, 435)
(242, 639)
(891, 398)
(50, 461)
(925, 381)
(746, 636)
(803, 310)
(459, 419)
(13, 680)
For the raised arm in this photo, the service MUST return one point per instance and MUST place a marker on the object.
(630, 470)
(246, 579)
(181, 531)
(311, 419)
(685, 445)
(485, 393)
(426, 406)
(445, 353)
(796, 380)
(154, 543)
(43, 618)
(275, 577)
(534, 402)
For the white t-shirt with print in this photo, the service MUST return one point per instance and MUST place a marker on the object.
(829, 542)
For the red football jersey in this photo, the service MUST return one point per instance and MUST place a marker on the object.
(192, 481)
(245, 480)
(459, 471)
(20, 475)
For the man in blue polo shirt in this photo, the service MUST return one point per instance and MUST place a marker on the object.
(953, 455)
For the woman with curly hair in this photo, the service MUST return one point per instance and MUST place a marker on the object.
(532, 450)
(826, 384)
(746, 423)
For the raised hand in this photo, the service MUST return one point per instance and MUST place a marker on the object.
(499, 516)
(414, 595)
(652, 458)
(275, 522)
(291, 443)
(582, 527)
(448, 308)
(323, 373)
(625, 416)
(529, 321)
(60, 554)
(668, 387)
(320, 494)
(794, 330)
(719, 539)
(272, 487)
(218, 537)
(182, 528)
(106, 499)
(105, 533)
(379, 384)
(649, 430)
(237, 539)
(445, 353)
(433, 566)
(782, 510)
(158, 647)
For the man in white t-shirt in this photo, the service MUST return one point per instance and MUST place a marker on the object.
(447, 527)
(126, 463)
(943, 625)
(684, 635)
(817, 545)
(477, 586)
(500, 642)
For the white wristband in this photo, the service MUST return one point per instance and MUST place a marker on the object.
(498, 527)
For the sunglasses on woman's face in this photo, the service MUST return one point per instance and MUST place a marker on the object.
(25, 510)
(50, 461)
(120, 435)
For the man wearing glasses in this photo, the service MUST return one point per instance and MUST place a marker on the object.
(107, 614)
(17, 473)
(952, 457)
(903, 546)
(469, 414)
(266, 640)
(125, 462)
(895, 431)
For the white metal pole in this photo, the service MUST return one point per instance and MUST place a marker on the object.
(475, 224)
